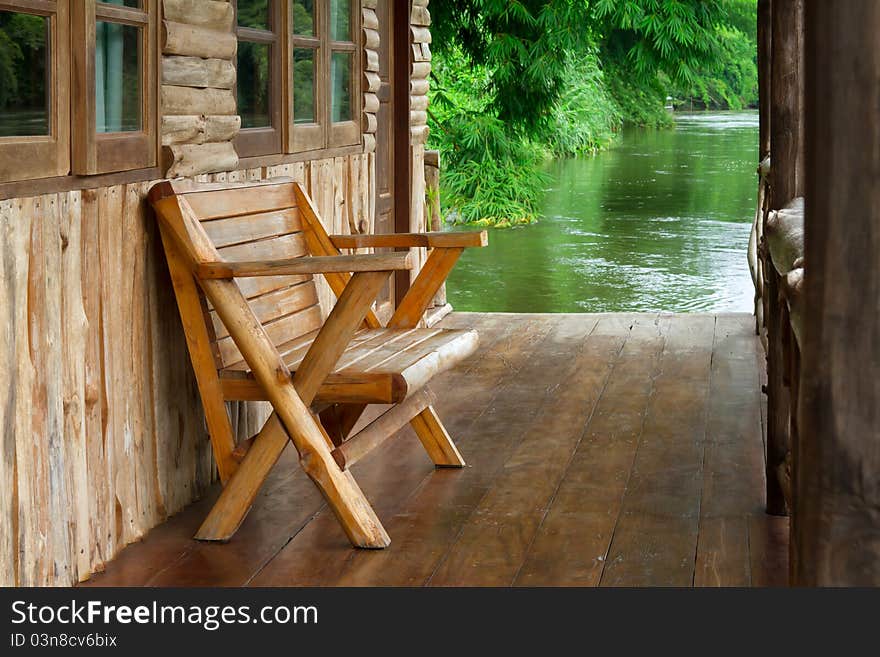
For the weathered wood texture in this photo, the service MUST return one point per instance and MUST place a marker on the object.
(420, 21)
(103, 430)
(199, 119)
(433, 218)
(103, 433)
(765, 44)
(785, 183)
(603, 449)
(371, 82)
(836, 518)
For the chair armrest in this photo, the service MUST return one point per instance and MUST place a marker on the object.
(437, 240)
(308, 265)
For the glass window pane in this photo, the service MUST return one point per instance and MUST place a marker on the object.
(117, 77)
(253, 84)
(304, 73)
(340, 87)
(122, 3)
(254, 13)
(24, 75)
(340, 20)
(304, 17)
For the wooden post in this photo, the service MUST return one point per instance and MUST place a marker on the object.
(786, 180)
(764, 57)
(432, 200)
(764, 61)
(838, 497)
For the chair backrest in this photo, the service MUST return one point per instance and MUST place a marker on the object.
(257, 221)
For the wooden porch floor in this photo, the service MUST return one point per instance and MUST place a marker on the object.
(604, 450)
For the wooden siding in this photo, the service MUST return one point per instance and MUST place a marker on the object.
(103, 431)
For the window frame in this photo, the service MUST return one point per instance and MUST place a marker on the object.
(97, 153)
(252, 142)
(344, 133)
(324, 134)
(44, 156)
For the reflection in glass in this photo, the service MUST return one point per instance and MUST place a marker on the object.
(304, 17)
(117, 77)
(254, 13)
(340, 87)
(340, 20)
(304, 60)
(24, 75)
(253, 84)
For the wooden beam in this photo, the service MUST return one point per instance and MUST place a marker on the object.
(403, 156)
(837, 501)
(787, 98)
(312, 265)
(429, 240)
(786, 182)
(381, 429)
(765, 41)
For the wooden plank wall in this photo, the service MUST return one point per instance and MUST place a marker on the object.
(103, 434)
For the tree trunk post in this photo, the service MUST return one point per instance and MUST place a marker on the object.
(837, 505)
(765, 41)
(786, 181)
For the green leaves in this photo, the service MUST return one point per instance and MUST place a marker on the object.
(518, 81)
(672, 37)
(524, 44)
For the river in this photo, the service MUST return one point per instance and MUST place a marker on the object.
(660, 221)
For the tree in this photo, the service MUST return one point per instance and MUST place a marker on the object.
(525, 44)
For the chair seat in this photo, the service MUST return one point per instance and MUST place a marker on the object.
(380, 366)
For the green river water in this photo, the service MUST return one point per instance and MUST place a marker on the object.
(660, 221)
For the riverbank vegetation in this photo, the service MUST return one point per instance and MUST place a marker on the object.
(516, 82)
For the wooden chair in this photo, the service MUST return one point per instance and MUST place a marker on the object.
(242, 259)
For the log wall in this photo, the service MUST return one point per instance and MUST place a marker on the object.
(103, 431)
(199, 119)
(103, 435)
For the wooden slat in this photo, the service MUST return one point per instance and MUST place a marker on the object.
(385, 357)
(216, 204)
(314, 265)
(279, 331)
(295, 351)
(380, 340)
(415, 352)
(273, 305)
(430, 240)
(277, 248)
(259, 285)
(253, 227)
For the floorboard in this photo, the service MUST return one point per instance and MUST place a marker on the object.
(611, 449)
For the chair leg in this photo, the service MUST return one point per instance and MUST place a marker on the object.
(436, 440)
(240, 491)
(345, 497)
(339, 488)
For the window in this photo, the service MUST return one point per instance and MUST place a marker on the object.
(324, 74)
(105, 51)
(259, 76)
(34, 110)
(114, 119)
